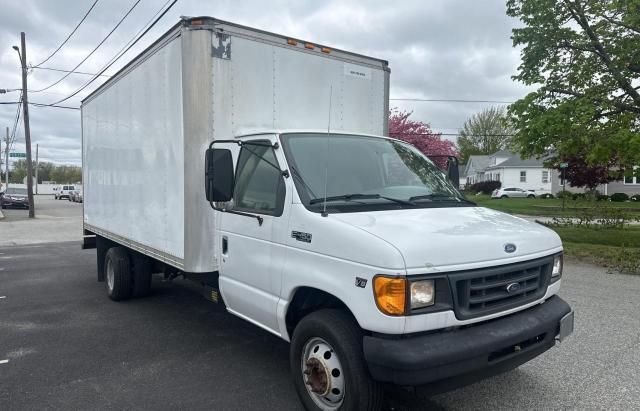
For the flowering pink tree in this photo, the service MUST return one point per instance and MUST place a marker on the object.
(420, 135)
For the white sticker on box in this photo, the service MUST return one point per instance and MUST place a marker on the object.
(357, 71)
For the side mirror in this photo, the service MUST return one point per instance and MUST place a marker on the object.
(452, 171)
(218, 176)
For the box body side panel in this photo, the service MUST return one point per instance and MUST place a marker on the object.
(133, 155)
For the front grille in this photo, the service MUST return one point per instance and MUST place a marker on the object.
(483, 292)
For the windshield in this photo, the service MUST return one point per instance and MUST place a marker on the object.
(365, 172)
(12, 190)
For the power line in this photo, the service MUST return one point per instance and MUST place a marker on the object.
(31, 103)
(67, 71)
(92, 51)
(15, 124)
(120, 54)
(444, 100)
(70, 34)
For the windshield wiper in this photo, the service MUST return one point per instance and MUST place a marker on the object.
(440, 197)
(351, 197)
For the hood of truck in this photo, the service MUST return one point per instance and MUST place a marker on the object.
(434, 238)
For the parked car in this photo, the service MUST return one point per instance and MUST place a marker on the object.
(76, 196)
(63, 192)
(14, 197)
(512, 192)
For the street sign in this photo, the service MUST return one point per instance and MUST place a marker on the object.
(564, 165)
(22, 155)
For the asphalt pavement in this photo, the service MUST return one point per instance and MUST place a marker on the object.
(65, 345)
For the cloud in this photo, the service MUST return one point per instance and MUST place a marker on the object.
(446, 49)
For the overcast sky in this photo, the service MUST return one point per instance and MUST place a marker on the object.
(437, 49)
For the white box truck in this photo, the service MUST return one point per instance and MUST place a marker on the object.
(257, 165)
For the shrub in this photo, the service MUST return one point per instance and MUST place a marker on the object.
(602, 197)
(619, 197)
(564, 194)
(485, 187)
(576, 196)
(635, 197)
(546, 195)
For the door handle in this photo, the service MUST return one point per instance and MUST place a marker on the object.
(225, 245)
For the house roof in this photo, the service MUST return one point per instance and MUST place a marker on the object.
(517, 161)
(502, 153)
(479, 162)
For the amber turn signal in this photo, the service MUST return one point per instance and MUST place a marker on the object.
(390, 294)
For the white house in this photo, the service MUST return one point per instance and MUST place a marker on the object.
(511, 170)
(530, 174)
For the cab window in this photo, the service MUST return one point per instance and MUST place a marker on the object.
(259, 182)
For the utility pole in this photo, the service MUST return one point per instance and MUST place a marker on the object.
(27, 129)
(37, 164)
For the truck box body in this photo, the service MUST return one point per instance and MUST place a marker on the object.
(145, 130)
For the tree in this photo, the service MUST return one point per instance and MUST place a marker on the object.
(485, 133)
(580, 174)
(419, 134)
(585, 57)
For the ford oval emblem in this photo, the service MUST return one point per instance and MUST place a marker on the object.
(513, 287)
(509, 248)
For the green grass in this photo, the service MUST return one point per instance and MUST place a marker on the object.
(551, 207)
(627, 237)
(617, 249)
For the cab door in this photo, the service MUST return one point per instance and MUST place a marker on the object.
(252, 251)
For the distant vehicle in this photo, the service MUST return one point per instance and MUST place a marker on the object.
(513, 192)
(61, 192)
(14, 197)
(76, 196)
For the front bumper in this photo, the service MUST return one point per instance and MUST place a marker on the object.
(15, 203)
(467, 354)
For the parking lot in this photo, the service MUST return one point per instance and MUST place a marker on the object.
(65, 345)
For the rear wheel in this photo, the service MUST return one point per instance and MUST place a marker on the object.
(328, 366)
(504, 196)
(531, 196)
(117, 273)
(141, 275)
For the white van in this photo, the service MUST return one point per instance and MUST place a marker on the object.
(63, 191)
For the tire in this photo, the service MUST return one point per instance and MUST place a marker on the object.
(531, 196)
(141, 275)
(336, 333)
(117, 273)
(504, 196)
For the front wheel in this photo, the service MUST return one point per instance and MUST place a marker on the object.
(504, 196)
(531, 196)
(328, 366)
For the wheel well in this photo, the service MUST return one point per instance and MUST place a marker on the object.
(307, 300)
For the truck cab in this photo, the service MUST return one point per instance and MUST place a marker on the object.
(367, 225)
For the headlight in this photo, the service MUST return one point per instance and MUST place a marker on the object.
(422, 294)
(557, 266)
